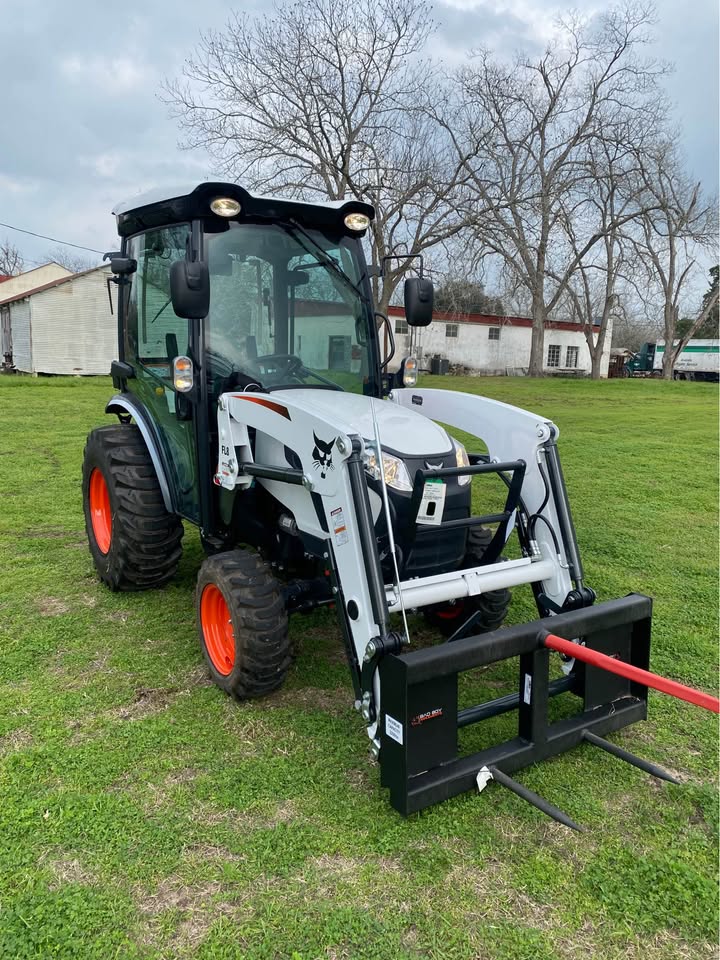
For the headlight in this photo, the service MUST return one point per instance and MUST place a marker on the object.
(462, 460)
(396, 473)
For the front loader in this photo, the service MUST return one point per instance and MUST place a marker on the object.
(254, 402)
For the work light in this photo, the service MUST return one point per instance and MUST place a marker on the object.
(225, 206)
(357, 221)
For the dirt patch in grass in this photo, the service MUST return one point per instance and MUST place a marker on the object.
(336, 700)
(333, 876)
(197, 677)
(15, 740)
(147, 700)
(69, 870)
(194, 906)
(197, 906)
(208, 852)
(246, 820)
(51, 606)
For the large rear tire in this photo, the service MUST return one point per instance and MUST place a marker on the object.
(243, 624)
(134, 541)
(492, 606)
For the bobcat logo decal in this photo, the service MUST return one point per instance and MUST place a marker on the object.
(322, 455)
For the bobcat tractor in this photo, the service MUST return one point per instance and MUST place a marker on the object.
(254, 401)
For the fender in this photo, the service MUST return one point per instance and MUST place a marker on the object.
(123, 404)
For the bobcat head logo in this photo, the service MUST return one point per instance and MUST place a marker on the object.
(322, 455)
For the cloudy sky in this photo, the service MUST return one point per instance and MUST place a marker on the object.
(82, 125)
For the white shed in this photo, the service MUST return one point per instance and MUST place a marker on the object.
(31, 279)
(63, 326)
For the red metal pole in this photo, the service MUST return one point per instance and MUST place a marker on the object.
(622, 669)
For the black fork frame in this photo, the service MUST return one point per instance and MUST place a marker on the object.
(419, 696)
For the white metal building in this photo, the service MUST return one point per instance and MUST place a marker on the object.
(37, 277)
(62, 326)
(495, 345)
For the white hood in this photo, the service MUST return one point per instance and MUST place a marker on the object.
(401, 430)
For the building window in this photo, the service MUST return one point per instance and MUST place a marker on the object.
(571, 357)
(493, 333)
(401, 325)
(553, 359)
(451, 330)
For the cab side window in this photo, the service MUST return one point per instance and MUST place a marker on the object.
(154, 332)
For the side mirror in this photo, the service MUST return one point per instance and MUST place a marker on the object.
(120, 265)
(418, 301)
(190, 289)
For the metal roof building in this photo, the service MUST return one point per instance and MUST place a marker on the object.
(61, 326)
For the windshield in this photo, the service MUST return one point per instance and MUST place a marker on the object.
(287, 309)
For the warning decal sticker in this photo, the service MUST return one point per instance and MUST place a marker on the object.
(393, 728)
(337, 518)
(432, 503)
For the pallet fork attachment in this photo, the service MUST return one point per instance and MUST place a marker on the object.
(419, 694)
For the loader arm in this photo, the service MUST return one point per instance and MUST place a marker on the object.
(512, 434)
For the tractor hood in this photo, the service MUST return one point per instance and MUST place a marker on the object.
(402, 431)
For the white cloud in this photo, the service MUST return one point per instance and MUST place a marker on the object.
(106, 73)
(16, 187)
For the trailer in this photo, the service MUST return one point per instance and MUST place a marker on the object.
(699, 360)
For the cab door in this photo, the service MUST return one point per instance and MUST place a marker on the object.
(154, 336)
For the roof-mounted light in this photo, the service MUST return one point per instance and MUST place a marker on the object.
(225, 206)
(357, 221)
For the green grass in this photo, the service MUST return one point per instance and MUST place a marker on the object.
(144, 814)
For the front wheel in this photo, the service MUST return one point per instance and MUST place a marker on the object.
(492, 606)
(243, 624)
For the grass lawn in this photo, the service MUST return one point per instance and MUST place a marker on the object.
(144, 814)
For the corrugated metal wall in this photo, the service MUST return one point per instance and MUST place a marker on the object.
(73, 331)
(20, 325)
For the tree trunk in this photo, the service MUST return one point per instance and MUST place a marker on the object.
(596, 361)
(537, 345)
(668, 361)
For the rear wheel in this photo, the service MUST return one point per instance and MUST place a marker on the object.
(492, 606)
(134, 541)
(243, 624)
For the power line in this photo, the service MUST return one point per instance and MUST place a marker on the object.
(41, 236)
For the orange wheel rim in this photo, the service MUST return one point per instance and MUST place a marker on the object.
(100, 511)
(217, 629)
(450, 612)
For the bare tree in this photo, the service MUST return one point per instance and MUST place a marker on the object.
(676, 225)
(11, 262)
(522, 132)
(324, 99)
(614, 191)
(75, 262)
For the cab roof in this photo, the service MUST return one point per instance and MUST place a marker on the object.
(166, 205)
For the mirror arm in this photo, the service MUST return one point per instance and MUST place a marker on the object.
(386, 321)
(402, 256)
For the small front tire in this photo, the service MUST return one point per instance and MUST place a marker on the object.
(492, 606)
(243, 624)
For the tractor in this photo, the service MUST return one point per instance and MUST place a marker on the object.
(254, 400)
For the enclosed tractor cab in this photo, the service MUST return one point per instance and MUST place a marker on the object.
(254, 402)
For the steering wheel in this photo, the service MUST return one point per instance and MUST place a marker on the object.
(285, 364)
